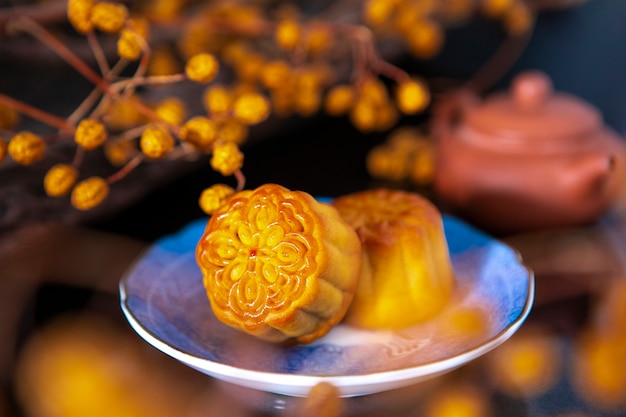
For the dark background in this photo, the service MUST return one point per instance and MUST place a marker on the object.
(582, 48)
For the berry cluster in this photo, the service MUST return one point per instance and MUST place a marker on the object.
(251, 61)
(406, 154)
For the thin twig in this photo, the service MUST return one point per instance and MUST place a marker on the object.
(46, 12)
(84, 107)
(183, 150)
(98, 53)
(35, 113)
(64, 52)
(389, 70)
(30, 26)
(127, 84)
(95, 94)
(129, 134)
(142, 68)
(78, 157)
(500, 62)
(126, 169)
(241, 180)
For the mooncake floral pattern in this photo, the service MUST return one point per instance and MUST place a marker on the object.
(258, 255)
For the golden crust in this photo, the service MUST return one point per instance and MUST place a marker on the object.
(278, 264)
(407, 274)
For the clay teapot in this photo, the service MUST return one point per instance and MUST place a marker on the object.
(525, 159)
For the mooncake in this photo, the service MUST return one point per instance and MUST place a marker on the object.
(407, 275)
(279, 265)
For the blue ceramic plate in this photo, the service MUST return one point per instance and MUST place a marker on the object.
(164, 300)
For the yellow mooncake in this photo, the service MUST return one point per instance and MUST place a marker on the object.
(279, 265)
(407, 275)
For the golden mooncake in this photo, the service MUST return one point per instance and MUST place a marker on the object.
(279, 265)
(407, 275)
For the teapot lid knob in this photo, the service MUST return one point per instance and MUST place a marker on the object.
(531, 90)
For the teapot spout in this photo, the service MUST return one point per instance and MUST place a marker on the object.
(594, 173)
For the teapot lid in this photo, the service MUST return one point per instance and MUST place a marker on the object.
(532, 110)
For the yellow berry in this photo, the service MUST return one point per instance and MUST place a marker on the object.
(130, 45)
(163, 61)
(217, 99)
(235, 51)
(245, 14)
(405, 19)
(518, 18)
(527, 365)
(423, 8)
(109, 17)
(251, 108)
(156, 142)
(287, 34)
(250, 68)
(140, 25)
(119, 152)
(453, 401)
(307, 102)
(133, 39)
(89, 193)
(122, 113)
(339, 100)
(407, 139)
(387, 117)
(59, 180)
(90, 134)
(495, 8)
(377, 12)
(163, 10)
(202, 68)
(214, 197)
(199, 131)
(227, 158)
(242, 88)
(274, 73)
(9, 118)
(459, 10)
(412, 96)
(26, 148)
(386, 163)
(364, 116)
(282, 101)
(231, 130)
(425, 38)
(3, 149)
(598, 376)
(423, 170)
(318, 38)
(373, 90)
(310, 78)
(171, 110)
(79, 15)
(194, 37)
